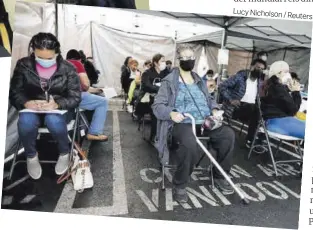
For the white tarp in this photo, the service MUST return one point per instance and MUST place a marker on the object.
(31, 18)
(111, 47)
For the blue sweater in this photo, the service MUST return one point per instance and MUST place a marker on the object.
(185, 104)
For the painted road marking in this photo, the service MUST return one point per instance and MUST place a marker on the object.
(16, 183)
(120, 206)
(27, 199)
(7, 200)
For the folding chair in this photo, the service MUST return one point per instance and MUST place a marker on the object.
(261, 128)
(125, 97)
(71, 126)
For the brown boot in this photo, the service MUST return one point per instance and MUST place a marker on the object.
(101, 138)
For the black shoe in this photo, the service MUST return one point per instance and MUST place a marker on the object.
(223, 185)
(180, 195)
(259, 147)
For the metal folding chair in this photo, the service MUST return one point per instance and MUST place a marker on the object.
(73, 125)
(261, 128)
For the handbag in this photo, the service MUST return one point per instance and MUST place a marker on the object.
(79, 171)
(210, 122)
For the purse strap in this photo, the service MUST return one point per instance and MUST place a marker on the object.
(68, 173)
(194, 101)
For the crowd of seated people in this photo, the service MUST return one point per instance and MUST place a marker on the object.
(43, 82)
(146, 86)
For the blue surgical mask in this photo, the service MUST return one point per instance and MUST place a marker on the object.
(45, 63)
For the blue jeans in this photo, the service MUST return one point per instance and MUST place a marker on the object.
(28, 124)
(100, 106)
(289, 126)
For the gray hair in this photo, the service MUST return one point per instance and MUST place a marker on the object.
(182, 47)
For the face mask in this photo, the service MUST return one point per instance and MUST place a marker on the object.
(264, 58)
(187, 65)
(46, 63)
(162, 66)
(286, 78)
(256, 73)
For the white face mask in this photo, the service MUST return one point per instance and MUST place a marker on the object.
(264, 58)
(286, 78)
(162, 66)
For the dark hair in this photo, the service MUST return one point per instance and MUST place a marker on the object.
(210, 72)
(261, 53)
(294, 76)
(83, 56)
(148, 62)
(126, 60)
(259, 61)
(73, 55)
(44, 41)
(156, 58)
(168, 62)
(89, 57)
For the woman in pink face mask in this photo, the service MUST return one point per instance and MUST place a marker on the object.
(282, 101)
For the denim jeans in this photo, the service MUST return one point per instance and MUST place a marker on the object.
(28, 124)
(289, 126)
(100, 106)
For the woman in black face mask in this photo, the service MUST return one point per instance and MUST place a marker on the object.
(183, 91)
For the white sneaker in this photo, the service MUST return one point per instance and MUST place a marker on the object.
(129, 109)
(62, 165)
(34, 168)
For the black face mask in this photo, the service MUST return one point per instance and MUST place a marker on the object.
(256, 73)
(187, 65)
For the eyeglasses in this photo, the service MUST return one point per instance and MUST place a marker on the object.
(187, 58)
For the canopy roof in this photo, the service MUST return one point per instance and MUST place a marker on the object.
(246, 33)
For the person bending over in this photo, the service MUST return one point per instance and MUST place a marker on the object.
(41, 75)
(183, 91)
(239, 93)
(281, 102)
(91, 102)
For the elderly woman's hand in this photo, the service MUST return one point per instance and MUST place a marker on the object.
(177, 117)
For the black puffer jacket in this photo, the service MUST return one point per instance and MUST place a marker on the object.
(279, 101)
(64, 84)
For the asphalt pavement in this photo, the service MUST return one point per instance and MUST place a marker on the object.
(127, 183)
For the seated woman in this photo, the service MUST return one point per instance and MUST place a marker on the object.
(90, 102)
(125, 75)
(135, 85)
(178, 94)
(281, 102)
(149, 86)
(44, 72)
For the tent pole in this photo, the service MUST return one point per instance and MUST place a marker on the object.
(56, 19)
(91, 40)
(284, 54)
(220, 67)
